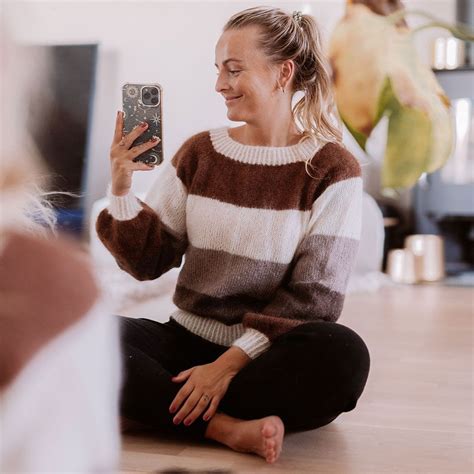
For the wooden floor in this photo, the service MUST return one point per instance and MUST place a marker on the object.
(415, 415)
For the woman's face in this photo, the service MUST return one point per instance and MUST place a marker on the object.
(245, 77)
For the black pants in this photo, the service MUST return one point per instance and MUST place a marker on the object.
(307, 377)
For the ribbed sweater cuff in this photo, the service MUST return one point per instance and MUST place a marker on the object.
(123, 208)
(253, 343)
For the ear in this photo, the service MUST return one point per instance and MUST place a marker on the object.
(287, 72)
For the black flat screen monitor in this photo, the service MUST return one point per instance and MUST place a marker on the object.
(62, 133)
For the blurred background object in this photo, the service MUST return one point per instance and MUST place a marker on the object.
(443, 201)
(401, 266)
(433, 152)
(61, 126)
(378, 73)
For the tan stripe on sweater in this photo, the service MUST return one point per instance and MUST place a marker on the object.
(228, 310)
(220, 274)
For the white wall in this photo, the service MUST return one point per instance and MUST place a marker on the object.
(168, 42)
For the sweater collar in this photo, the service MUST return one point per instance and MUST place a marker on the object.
(261, 155)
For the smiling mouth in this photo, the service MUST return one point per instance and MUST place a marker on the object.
(232, 99)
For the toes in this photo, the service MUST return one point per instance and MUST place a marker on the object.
(270, 451)
(271, 457)
(270, 443)
(269, 429)
(276, 454)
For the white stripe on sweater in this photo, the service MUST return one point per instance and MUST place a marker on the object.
(338, 210)
(262, 155)
(251, 341)
(273, 235)
(167, 197)
(261, 234)
(123, 208)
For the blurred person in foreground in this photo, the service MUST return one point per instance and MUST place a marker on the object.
(59, 353)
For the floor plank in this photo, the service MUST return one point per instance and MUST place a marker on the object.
(415, 415)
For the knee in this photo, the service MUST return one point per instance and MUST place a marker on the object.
(336, 346)
(354, 349)
(330, 335)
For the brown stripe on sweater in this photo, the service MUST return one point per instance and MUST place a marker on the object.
(305, 301)
(227, 310)
(45, 286)
(287, 186)
(219, 274)
(271, 326)
(143, 246)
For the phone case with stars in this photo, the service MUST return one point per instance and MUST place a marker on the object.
(143, 103)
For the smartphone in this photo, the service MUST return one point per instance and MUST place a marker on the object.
(142, 103)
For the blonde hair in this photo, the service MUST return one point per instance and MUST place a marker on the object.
(297, 37)
(24, 205)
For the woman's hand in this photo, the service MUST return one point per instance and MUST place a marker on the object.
(121, 156)
(205, 387)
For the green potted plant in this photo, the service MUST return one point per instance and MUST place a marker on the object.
(377, 73)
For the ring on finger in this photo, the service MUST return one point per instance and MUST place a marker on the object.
(206, 397)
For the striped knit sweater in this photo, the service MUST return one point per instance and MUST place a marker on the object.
(266, 247)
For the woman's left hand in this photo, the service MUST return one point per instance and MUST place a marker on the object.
(205, 387)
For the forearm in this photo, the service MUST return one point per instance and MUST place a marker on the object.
(141, 245)
(234, 359)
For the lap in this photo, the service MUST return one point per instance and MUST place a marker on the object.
(169, 344)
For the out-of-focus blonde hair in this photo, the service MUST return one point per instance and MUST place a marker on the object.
(23, 206)
(284, 37)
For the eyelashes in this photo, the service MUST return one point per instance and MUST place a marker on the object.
(234, 73)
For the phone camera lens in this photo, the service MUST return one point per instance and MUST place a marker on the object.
(154, 91)
(154, 100)
(146, 95)
(152, 159)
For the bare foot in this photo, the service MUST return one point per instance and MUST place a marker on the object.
(263, 437)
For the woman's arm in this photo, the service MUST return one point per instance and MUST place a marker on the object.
(149, 238)
(143, 245)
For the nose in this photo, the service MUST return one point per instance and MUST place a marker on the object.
(221, 83)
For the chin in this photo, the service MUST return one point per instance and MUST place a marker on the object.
(235, 116)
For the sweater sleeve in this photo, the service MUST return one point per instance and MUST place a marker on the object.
(148, 238)
(317, 278)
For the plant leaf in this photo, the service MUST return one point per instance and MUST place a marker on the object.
(359, 137)
(408, 145)
(377, 72)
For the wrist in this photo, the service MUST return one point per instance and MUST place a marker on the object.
(119, 192)
(233, 360)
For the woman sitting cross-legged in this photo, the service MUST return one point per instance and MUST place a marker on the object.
(267, 218)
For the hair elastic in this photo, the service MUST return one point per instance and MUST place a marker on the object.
(297, 16)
